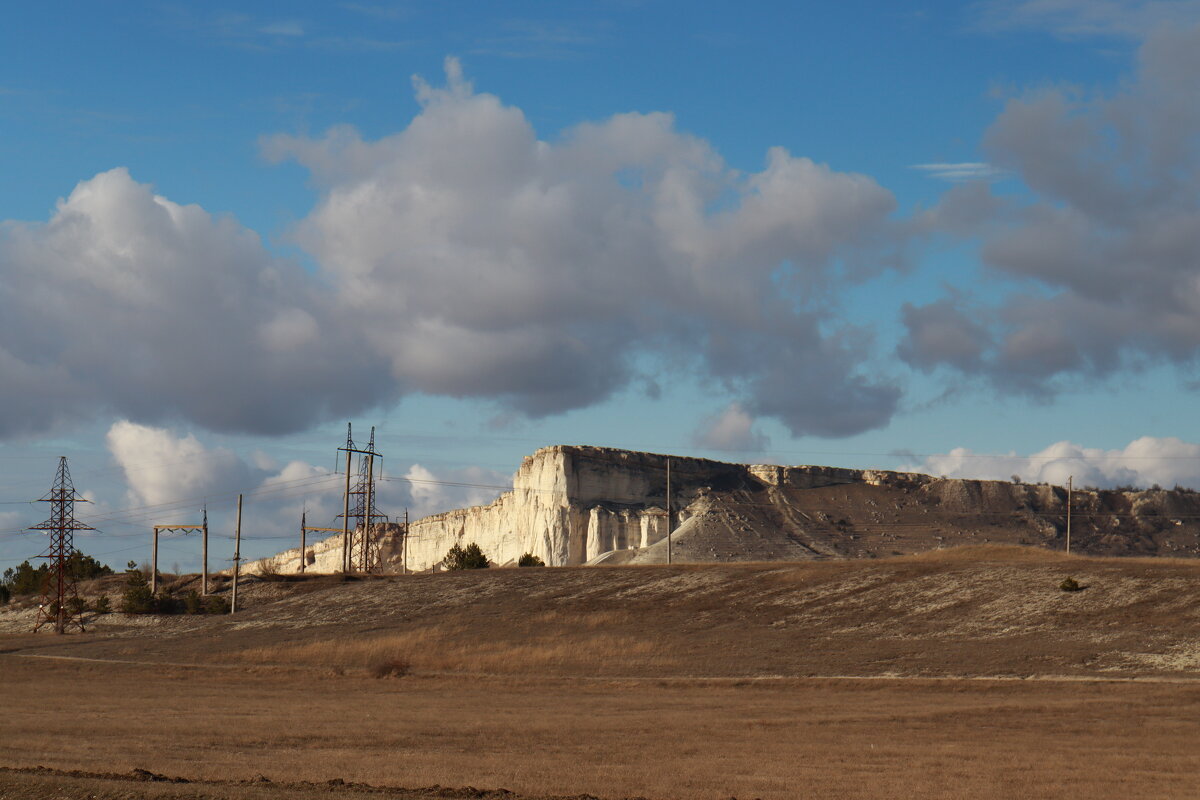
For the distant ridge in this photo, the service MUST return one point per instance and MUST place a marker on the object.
(573, 504)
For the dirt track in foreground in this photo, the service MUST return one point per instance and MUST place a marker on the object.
(607, 699)
(780, 739)
(39, 783)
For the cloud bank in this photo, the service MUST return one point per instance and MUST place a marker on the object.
(1144, 462)
(1099, 272)
(462, 256)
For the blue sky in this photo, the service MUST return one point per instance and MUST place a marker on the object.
(950, 236)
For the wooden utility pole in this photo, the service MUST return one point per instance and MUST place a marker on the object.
(154, 564)
(346, 518)
(237, 556)
(204, 537)
(1070, 478)
(668, 511)
(303, 522)
(181, 528)
(404, 545)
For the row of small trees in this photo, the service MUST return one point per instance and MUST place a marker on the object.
(472, 557)
(137, 598)
(28, 579)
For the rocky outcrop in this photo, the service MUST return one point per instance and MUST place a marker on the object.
(574, 505)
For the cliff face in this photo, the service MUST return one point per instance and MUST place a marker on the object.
(574, 505)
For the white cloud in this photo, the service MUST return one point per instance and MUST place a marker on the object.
(162, 468)
(1143, 462)
(127, 303)
(493, 264)
(461, 256)
(425, 492)
(732, 429)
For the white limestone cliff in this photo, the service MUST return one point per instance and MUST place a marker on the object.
(573, 505)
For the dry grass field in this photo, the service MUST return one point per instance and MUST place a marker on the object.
(956, 674)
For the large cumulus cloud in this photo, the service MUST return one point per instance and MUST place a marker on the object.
(127, 303)
(1100, 263)
(462, 256)
(494, 264)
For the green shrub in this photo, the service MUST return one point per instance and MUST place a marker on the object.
(193, 603)
(469, 557)
(76, 605)
(101, 605)
(1070, 585)
(5, 595)
(137, 597)
(530, 560)
(167, 603)
(214, 604)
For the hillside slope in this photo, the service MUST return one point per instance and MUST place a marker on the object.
(969, 611)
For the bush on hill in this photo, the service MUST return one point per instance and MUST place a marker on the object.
(530, 560)
(137, 598)
(216, 605)
(469, 557)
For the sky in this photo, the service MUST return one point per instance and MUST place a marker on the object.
(953, 237)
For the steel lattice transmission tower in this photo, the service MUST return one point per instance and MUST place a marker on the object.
(364, 545)
(360, 546)
(59, 595)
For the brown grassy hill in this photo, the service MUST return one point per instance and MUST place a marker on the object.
(960, 673)
(989, 610)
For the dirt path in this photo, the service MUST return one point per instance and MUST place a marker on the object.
(667, 678)
(40, 783)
